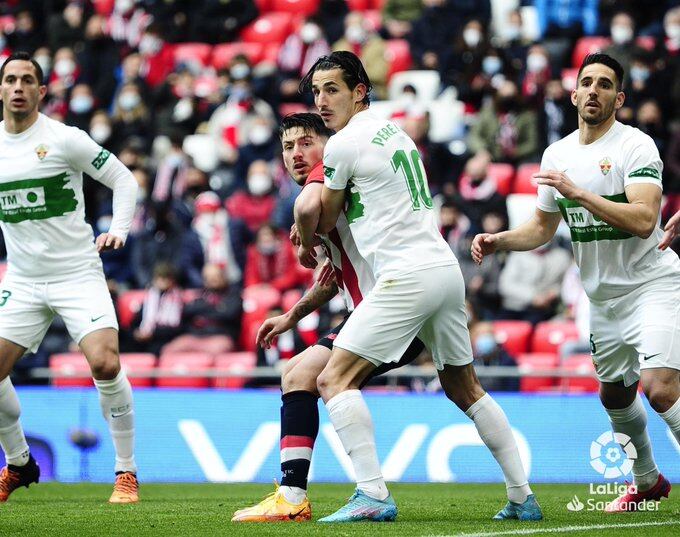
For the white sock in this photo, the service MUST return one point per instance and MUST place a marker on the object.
(352, 421)
(294, 495)
(494, 430)
(12, 437)
(115, 397)
(672, 418)
(632, 421)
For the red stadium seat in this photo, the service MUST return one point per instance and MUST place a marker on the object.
(398, 56)
(289, 299)
(646, 42)
(550, 335)
(569, 78)
(197, 53)
(104, 7)
(377, 4)
(536, 361)
(129, 303)
(236, 362)
(258, 300)
(224, 53)
(270, 54)
(524, 182)
(185, 362)
(513, 335)
(358, 5)
(286, 109)
(139, 363)
(582, 363)
(503, 175)
(374, 18)
(588, 45)
(298, 7)
(69, 363)
(270, 28)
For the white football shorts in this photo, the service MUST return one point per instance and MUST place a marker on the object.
(428, 304)
(27, 308)
(640, 330)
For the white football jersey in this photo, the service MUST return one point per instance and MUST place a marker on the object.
(389, 207)
(42, 214)
(612, 262)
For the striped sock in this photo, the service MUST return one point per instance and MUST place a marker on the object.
(299, 428)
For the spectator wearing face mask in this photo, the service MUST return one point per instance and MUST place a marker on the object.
(261, 145)
(99, 59)
(556, 116)
(130, 114)
(298, 53)
(66, 70)
(272, 261)
(623, 47)
(256, 203)
(176, 105)
(536, 75)
(646, 82)
(510, 37)
(649, 119)
(462, 62)
(158, 56)
(80, 107)
(361, 39)
(505, 128)
(231, 122)
(487, 353)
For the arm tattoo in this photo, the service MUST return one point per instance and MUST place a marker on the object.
(317, 297)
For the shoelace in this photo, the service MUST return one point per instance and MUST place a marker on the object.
(9, 480)
(126, 483)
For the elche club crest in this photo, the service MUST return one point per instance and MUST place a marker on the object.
(605, 165)
(41, 151)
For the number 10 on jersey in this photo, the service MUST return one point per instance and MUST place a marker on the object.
(416, 182)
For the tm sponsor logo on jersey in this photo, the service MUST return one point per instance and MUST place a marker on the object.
(36, 199)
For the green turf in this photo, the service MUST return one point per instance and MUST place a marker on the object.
(446, 509)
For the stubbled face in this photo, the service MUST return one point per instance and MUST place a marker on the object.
(333, 98)
(21, 91)
(301, 152)
(596, 97)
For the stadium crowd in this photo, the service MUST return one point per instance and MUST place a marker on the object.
(188, 94)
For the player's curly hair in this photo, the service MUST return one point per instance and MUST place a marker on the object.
(308, 122)
(353, 72)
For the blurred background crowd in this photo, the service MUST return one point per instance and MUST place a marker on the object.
(188, 94)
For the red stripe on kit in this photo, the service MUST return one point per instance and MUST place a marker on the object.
(349, 275)
(291, 441)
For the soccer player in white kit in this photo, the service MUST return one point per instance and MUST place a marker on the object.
(54, 265)
(374, 174)
(303, 137)
(605, 180)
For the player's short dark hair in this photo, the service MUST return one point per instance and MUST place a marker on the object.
(308, 122)
(26, 57)
(604, 59)
(353, 72)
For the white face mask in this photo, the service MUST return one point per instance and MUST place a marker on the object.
(239, 71)
(355, 34)
(64, 67)
(182, 111)
(621, 34)
(259, 184)
(472, 37)
(128, 101)
(259, 134)
(491, 65)
(510, 32)
(81, 104)
(100, 132)
(150, 45)
(123, 6)
(673, 32)
(310, 32)
(536, 62)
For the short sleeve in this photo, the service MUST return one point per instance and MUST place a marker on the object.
(316, 175)
(643, 164)
(546, 194)
(84, 154)
(339, 161)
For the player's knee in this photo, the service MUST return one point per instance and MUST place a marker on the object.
(298, 379)
(105, 363)
(661, 395)
(324, 384)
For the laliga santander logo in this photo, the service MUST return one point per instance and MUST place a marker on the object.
(607, 458)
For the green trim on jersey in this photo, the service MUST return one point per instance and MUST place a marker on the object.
(652, 173)
(354, 209)
(36, 199)
(598, 232)
(101, 158)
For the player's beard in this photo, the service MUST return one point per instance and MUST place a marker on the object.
(604, 113)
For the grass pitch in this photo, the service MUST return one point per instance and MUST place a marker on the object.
(437, 509)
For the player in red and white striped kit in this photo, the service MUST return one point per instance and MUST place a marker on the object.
(303, 137)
